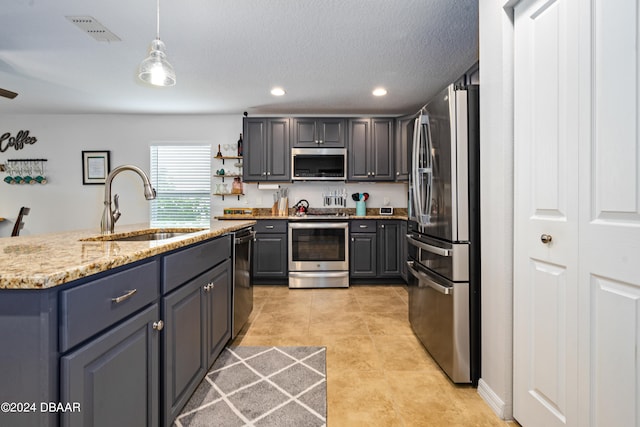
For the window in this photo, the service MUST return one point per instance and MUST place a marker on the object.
(181, 175)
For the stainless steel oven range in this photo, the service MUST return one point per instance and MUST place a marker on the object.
(318, 253)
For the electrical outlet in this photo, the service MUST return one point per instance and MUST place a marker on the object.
(386, 201)
(259, 201)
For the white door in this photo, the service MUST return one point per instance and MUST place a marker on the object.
(546, 132)
(609, 267)
(577, 179)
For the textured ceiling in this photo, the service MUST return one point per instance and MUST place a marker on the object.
(327, 54)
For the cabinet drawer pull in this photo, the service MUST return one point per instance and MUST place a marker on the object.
(121, 298)
(364, 226)
(269, 227)
(159, 325)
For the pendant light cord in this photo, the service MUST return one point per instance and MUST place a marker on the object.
(158, 19)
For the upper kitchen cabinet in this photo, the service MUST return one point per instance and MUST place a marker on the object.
(266, 150)
(404, 140)
(318, 133)
(371, 149)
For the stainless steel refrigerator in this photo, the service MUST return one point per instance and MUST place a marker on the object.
(444, 231)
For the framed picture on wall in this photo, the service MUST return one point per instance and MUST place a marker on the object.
(95, 167)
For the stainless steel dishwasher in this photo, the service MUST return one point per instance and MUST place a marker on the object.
(242, 287)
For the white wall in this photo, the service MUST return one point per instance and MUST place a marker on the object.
(496, 158)
(65, 204)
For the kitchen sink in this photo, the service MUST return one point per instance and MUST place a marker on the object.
(149, 236)
(144, 235)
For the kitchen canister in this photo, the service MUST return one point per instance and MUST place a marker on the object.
(361, 208)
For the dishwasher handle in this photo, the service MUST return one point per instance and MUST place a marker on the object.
(446, 290)
(245, 237)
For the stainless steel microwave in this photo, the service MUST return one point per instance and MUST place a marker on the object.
(315, 164)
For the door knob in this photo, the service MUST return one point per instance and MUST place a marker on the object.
(159, 325)
(546, 238)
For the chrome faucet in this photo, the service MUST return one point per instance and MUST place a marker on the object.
(110, 216)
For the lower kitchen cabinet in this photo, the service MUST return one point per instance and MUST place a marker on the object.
(375, 249)
(114, 379)
(363, 255)
(125, 347)
(270, 261)
(197, 326)
(388, 248)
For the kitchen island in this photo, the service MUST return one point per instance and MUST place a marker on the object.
(111, 332)
(48, 260)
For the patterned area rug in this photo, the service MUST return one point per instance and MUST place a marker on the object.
(261, 386)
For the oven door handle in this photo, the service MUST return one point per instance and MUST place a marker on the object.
(429, 248)
(446, 290)
(308, 225)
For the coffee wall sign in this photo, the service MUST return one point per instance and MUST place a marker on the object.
(16, 142)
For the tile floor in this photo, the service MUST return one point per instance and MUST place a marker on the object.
(378, 373)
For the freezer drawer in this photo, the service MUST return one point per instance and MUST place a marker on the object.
(450, 260)
(439, 316)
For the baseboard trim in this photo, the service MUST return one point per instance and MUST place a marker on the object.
(504, 411)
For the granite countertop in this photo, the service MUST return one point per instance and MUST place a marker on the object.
(371, 213)
(48, 260)
(293, 217)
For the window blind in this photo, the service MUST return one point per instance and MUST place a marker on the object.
(181, 175)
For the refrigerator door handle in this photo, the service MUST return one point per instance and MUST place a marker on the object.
(430, 248)
(415, 162)
(430, 160)
(446, 290)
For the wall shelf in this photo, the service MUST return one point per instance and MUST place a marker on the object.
(223, 158)
(228, 194)
(226, 176)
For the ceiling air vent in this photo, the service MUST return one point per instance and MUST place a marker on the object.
(91, 26)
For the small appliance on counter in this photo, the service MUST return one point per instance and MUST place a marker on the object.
(301, 208)
(386, 210)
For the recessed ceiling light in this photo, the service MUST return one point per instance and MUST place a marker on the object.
(277, 91)
(380, 91)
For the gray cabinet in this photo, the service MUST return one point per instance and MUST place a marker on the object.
(363, 249)
(270, 261)
(219, 310)
(388, 248)
(197, 326)
(371, 149)
(114, 374)
(374, 249)
(403, 144)
(106, 341)
(318, 132)
(266, 150)
(114, 379)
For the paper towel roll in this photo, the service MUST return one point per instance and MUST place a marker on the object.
(262, 186)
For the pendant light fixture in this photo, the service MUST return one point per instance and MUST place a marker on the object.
(155, 69)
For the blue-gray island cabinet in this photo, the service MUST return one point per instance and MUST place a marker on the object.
(126, 346)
